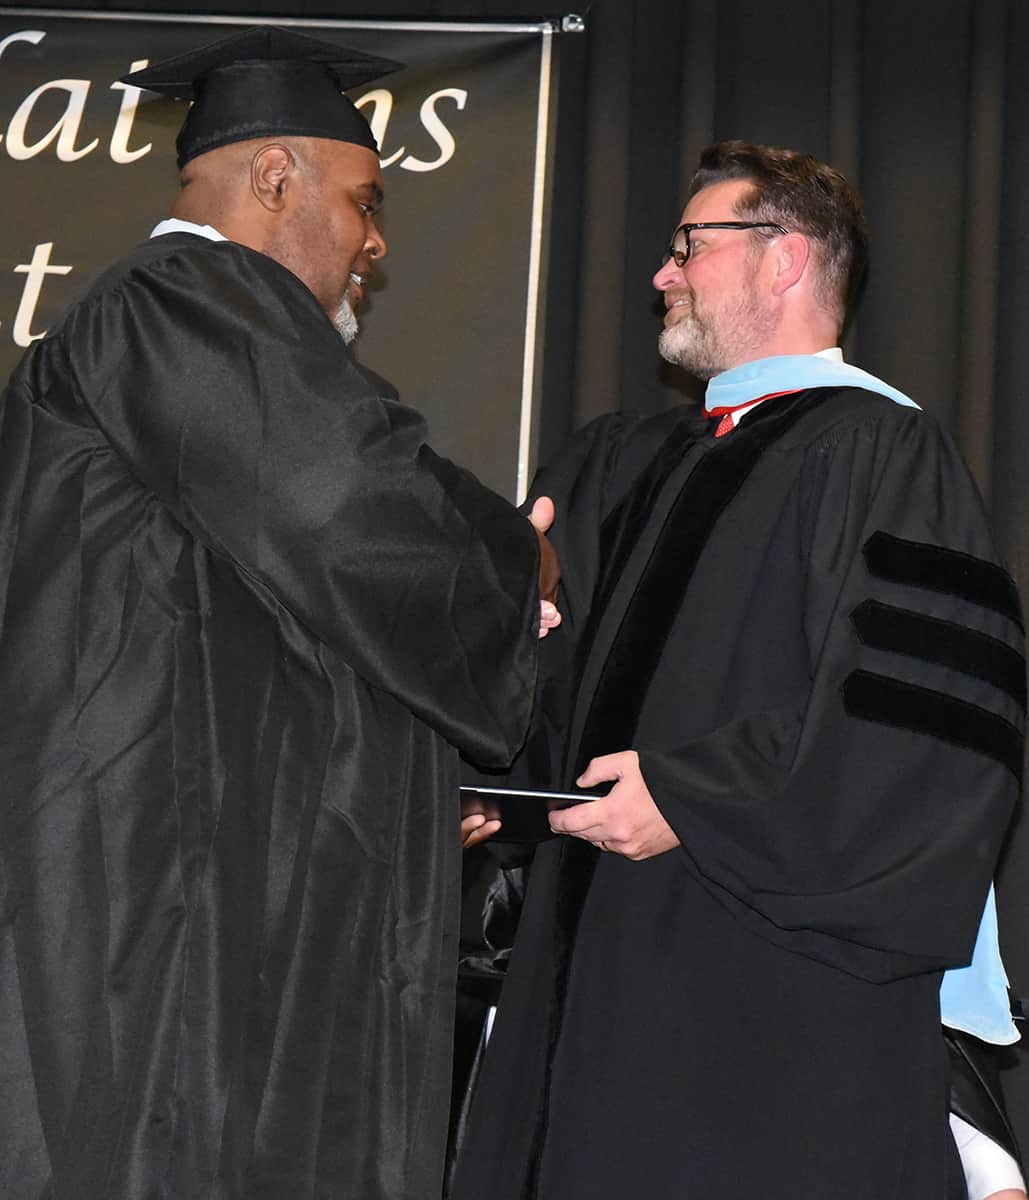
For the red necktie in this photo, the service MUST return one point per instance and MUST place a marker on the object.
(726, 424)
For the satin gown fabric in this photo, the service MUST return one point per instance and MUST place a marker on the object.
(248, 619)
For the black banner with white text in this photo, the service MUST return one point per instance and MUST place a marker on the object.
(88, 168)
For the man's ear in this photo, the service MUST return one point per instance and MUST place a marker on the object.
(792, 252)
(271, 171)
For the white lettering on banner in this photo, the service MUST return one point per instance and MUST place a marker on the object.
(439, 133)
(35, 36)
(65, 129)
(35, 271)
(381, 100)
(120, 152)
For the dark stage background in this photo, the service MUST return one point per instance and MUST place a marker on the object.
(921, 103)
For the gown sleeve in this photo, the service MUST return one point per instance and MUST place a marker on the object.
(860, 824)
(577, 480)
(218, 380)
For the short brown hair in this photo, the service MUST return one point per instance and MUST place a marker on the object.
(804, 195)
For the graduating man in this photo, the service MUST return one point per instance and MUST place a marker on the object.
(790, 647)
(247, 619)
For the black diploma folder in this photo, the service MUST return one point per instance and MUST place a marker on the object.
(523, 814)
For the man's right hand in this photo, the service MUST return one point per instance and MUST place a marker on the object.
(541, 518)
(627, 820)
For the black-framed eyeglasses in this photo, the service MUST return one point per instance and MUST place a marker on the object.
(680, 247)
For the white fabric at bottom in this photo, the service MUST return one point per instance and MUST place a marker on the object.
(987, 1167)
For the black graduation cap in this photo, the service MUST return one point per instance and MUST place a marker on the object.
(265, 81)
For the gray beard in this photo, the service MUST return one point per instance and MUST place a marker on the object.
(346, 322)
(687, 345)
(708, 342)
(705, 345)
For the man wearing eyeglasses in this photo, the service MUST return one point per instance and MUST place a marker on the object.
(791, 652)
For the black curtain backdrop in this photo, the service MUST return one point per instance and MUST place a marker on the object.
(921, 103)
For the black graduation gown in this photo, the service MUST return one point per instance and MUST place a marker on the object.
(803, 630)
(244, 611)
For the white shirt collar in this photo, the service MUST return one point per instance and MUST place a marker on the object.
(174, 225)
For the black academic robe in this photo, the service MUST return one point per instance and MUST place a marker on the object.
(804, 631)
(247, 619)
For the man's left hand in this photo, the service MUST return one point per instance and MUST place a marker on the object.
(475, 829)
(626, 821)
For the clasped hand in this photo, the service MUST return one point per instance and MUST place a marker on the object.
(541, 518)
(626, 821)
